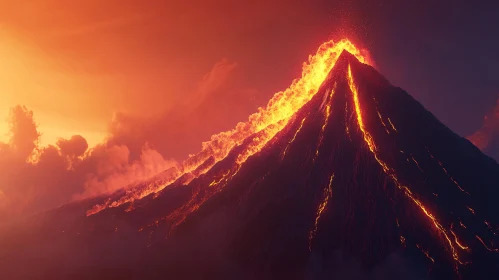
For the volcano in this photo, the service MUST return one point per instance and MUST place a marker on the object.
(358, 177)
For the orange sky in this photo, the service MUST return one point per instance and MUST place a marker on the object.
(74, 66)
(75, 63)
(64, 103)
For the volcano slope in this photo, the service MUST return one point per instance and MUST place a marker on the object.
(361, 175)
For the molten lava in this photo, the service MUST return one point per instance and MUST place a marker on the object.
(328, 192)
(273, 118)
(391, 173)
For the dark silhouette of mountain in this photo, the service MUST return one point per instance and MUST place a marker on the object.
(362, 183)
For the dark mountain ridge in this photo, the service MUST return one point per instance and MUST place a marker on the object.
(362, 176)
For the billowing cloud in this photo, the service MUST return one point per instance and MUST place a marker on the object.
(36, 177)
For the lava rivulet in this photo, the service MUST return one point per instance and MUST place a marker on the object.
(390, 172)
(327, 113)
(294, 137)
(322, 206)
(275, 116)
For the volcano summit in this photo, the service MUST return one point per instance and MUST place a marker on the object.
(356, 172)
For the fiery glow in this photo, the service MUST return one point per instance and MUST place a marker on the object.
(347, 121)
(380, 117)
(391, 124)
(390, 172)
(425, 252)
(327, 113)
(294, 137)
(485, 245)
(471, 210)
(272, 118)
(328, 192)
(417, 163)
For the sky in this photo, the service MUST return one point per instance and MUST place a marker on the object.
(172, 73)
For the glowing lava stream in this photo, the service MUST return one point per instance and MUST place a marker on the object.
(275, 116)
(293, 139)
(327, 113)
(328, 192)
(390, 172)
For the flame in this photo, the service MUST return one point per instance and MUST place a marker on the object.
(372, 147)
(328, 192)
(272, 118)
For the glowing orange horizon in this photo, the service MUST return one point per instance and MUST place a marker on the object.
(269, 120)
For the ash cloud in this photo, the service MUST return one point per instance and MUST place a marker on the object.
(35, 178)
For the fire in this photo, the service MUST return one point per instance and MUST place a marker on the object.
(390, 172)
(328, 192)
(272, 118)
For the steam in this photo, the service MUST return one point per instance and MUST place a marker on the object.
(34, 178)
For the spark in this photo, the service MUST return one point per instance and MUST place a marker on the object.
(322, 206)
(402, 241)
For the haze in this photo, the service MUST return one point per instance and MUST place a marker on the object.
(170, 74)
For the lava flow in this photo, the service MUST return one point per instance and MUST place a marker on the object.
(391, 173)
(273, 117)
(396, 185)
